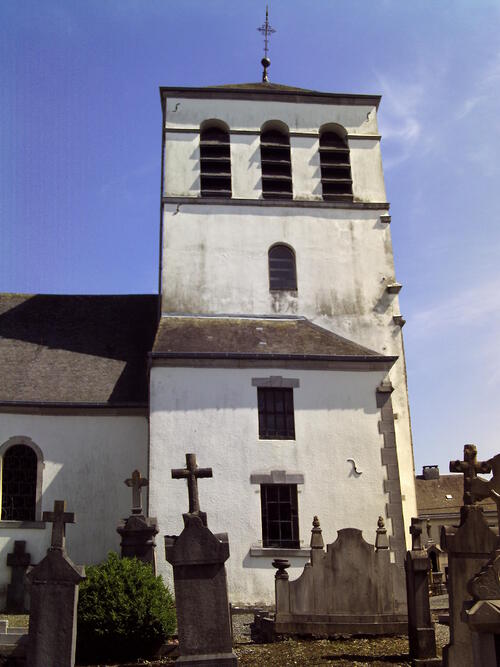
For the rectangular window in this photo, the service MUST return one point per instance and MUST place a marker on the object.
(276, 421)
(280, 522)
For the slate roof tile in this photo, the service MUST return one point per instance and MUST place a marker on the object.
(249, 337)
(76, 349)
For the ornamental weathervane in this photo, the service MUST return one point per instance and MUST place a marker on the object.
(266, 30)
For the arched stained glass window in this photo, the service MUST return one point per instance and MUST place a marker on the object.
(282, 270)
(19, 481)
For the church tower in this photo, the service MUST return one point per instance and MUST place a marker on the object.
(279, 356)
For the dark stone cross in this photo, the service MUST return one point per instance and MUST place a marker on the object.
(59, 518)
(416, 531)
(136, 482)
(18, 560)
(470, 466)
(191, 472)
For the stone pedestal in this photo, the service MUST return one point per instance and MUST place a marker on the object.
(483, 619)
(54, 597)
(420, 627)
(138, 538)
(19, 561)
(203, 620)
(482, 614)
(469, 547)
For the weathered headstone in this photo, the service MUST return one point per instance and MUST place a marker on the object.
(469, 547)
(482, 613)
(19, 561)
(198, 557)
(54, 598)
(138, 531)
(349, 589)
(420, 627)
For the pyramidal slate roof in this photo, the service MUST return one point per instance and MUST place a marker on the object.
(225, 337)
(66, 349)
(263, 85)
(268, 90)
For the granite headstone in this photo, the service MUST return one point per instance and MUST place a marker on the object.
(198, 556)
(54, 597)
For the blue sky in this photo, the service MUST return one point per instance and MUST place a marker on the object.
(80, 134)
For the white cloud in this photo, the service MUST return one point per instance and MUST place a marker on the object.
(404, 119)
(472, 307)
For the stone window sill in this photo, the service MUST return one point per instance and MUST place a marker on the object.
(274, 552)
(8, 525)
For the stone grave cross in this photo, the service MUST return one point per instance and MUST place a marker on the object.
(191, 472)
(59, 518)
(136, 482)
(416, 531)
(18, 560)
(482, 488)
(470, 466)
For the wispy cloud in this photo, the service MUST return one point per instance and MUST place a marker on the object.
(125, 183)
(471, 307)
(404, 122)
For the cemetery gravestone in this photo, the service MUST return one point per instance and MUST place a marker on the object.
(420, 627)
(349, 589)
(482, 613)
(19, 561)
(198, 557)
(469, 547)
(54, 598)
(138, 531)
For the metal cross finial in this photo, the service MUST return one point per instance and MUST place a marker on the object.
(191, 472)
(266, 30)
(470, 466)
(136, 482)
(59, 518)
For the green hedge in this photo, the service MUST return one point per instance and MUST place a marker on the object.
(124, 611)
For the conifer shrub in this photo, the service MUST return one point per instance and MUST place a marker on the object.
(124, 611)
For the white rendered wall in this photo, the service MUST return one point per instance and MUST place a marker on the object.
(87, 459)
(213, 412)
(184, 117)
(215, 257)
(215, 261)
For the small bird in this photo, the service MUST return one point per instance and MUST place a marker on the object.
(354, 472)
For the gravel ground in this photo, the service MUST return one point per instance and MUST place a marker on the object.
(375, 652)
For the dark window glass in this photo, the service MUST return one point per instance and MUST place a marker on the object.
(215, 163)
(282, 271)
(19, 471)
(280, 523)
(276, 165)
(335, 167)
(276, 420)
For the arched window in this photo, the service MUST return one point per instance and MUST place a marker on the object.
(19, 467)
(215, 161)
(21, 470)
(335, 166)
(276, 163)
(282, 271)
